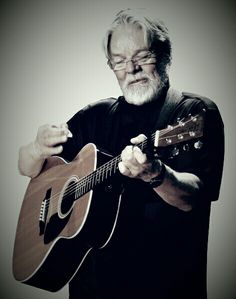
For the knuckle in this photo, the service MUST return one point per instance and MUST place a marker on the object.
(126, 153)
(143, 136)
(121, 167)
(134, 172)
(122, 155)
(58, 149)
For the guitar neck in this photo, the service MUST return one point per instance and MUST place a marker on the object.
(104, 172)
(189, 129)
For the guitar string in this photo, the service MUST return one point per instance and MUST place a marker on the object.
(53, 200)
(86, 182)
(54, 204)
(89, 179)
(82, 183)
(53, 197)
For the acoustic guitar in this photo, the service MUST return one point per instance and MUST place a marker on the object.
(71, 208)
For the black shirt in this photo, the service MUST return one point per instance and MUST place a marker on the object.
(157, 250)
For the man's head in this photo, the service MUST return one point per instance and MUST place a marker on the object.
(138, 50)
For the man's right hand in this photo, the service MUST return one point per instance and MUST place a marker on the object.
(47, 143)
(49, 139)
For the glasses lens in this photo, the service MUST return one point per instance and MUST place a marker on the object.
(146, 60)
(121, 65)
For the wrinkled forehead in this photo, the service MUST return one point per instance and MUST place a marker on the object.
(127, 39)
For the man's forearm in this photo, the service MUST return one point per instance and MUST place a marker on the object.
(179, 189)
(29, 163)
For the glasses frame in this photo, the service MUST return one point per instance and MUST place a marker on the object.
(134, 60)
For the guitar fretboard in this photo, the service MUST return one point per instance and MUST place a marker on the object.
(189, 129)
(104, 172)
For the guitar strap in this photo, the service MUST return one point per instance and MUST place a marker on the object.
(173, 97)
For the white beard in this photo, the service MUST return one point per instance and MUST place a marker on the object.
(141, 93)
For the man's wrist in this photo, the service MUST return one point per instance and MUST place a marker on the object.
(158, 180)
(36, 154)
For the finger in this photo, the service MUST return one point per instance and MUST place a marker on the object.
(138, 139)
(127, 153)
(49, 131)
(59, 131)
(122, 167)
(139, 156)
(49, 151)
(124, 170)
(129, 160)
(64, 127)
(52, 141)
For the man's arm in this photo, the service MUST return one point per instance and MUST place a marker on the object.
(178, 188)
(33, 155)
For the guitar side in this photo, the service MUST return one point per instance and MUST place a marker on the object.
(47, 255)
(56, 232)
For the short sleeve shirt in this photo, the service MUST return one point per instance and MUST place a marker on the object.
(157, 250)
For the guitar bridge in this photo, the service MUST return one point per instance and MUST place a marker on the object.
(44, 212)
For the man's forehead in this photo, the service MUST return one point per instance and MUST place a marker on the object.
(127, 39)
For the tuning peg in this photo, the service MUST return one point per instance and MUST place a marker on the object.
(193, 118)
(175, 151)
(186, 147)
(192, 133)
(198, 145)
(180, 122)
(168, 140)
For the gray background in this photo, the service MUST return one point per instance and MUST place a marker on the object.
(52, 64)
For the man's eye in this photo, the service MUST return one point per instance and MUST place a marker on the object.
(142, 57)
(119, 62)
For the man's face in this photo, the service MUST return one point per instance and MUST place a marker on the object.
(139, 84)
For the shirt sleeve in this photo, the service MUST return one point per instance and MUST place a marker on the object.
(73, 145)
(87, 126)
(212, 157)
(203, 157)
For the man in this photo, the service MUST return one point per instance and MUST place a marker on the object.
(159, 246)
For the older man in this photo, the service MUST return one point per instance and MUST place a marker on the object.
(159, 246)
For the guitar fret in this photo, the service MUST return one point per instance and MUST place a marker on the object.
(109, 169)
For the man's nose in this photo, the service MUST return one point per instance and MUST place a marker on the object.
(131, 67)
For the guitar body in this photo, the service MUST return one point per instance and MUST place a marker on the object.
(72, 208)
(55, 232)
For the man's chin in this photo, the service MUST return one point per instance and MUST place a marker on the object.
(139, 98)
(137, 101)
(139, 94)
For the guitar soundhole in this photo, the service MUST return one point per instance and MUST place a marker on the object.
(68, 198)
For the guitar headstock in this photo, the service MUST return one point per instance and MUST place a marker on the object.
(185, 129)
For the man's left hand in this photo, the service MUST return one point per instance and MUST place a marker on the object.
(135, 163)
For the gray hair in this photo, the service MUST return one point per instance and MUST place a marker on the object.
(155, 34)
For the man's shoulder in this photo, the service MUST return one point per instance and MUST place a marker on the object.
(96, 108)
(190, 103)
(193, 103)
(101, 104)
(194, 97)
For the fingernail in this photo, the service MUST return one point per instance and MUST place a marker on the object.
(69, 135)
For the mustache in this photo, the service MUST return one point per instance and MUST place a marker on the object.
(134, 78)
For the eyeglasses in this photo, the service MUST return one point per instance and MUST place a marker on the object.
(148, 58)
